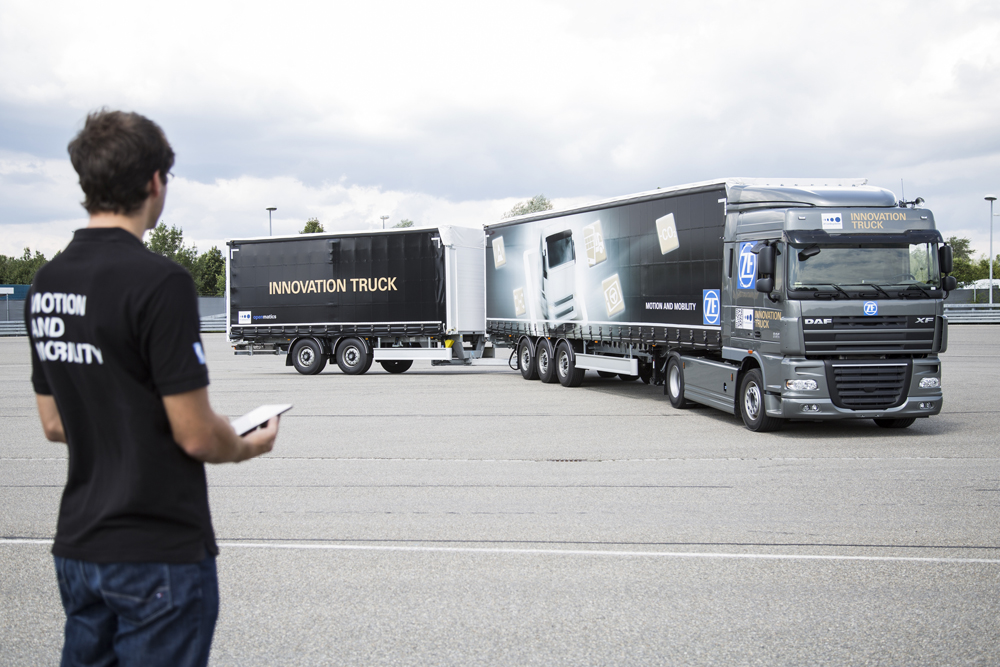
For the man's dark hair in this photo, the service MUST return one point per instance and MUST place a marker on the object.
(116, 154)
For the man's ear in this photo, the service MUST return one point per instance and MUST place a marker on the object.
(156, 185)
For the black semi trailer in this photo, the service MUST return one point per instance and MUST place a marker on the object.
(391, 296)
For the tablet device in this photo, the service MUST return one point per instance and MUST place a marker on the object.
(258, 417)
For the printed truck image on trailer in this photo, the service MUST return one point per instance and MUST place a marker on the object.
(798, 299)
(393, 296)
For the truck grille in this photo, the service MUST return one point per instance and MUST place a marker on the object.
(867, 335)
(868, 386)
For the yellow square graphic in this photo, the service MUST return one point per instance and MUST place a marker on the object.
(614, 301)
(594, 241)
(519, 308)
(666, 231)
(499, 254)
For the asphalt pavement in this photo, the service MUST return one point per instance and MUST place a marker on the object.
(454, 516)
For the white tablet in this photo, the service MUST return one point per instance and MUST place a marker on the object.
(258, 417)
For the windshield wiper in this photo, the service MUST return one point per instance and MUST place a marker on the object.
(873, 286)
(921, 290)
(834, 295)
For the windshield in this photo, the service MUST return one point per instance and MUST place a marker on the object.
(898, 268)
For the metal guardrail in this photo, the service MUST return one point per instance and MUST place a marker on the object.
(972, 313)
(209, 324)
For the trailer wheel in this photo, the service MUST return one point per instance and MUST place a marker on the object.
(352, 356)
(606, 374)
(526, 361)
(397, 366)
(569, 375)
(545, 361)
(751, 401)
(645, 372)
(307, 357)
(895, 423)
(628, 378)
(674, 386)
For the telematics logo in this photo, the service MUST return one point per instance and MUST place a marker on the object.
(244, 317)
(871, 308)
(748, 267)
(710, 306)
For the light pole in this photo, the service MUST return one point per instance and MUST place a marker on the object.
(269, 209)
(385, 217)
(991, 199)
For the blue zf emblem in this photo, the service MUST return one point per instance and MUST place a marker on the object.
(710, 306)
(748, 267)
(871, 308)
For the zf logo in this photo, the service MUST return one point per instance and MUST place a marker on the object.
(710, 306)
(924, 320)
(748, 267)
(817, 320)
(871, 308)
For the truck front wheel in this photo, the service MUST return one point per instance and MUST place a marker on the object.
(526, 361)
(674, 386)
(751, 401)
(307, 357)
(353, 356)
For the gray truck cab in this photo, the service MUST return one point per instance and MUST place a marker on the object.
(831, 307)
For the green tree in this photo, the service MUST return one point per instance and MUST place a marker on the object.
(170, 244)
(533, 205)
(312, 227)
(21, 270)
(403, 223)
(210, 272)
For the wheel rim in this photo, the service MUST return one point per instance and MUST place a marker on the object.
(675, 381)
(306, 357)
(525, 357)
(543, 362)
(752, 401)
(352, 356)
(563, 365)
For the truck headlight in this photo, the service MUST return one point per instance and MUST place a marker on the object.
(930, 383)
(802, 385)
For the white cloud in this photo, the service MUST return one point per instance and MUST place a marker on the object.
(446, 110)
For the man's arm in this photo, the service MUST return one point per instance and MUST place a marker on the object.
(51, 421)
(207, 436)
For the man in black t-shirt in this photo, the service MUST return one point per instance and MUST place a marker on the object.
(119, 375)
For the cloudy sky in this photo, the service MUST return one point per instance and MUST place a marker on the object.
(451, 112)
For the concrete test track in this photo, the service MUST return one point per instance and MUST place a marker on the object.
(466, 516)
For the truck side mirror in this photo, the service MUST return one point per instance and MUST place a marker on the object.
(945, 258)
(765, 258)
(949, 283)
(765, 285)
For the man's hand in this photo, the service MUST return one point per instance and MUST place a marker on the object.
(207, 436)
(51, 421)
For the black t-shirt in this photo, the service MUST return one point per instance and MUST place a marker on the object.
(114, 328)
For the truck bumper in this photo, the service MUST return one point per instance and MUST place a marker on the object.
(919, 401)
(823, 408)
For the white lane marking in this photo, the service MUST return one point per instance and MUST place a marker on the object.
(569, 552)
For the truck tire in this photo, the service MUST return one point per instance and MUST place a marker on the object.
(645, 372)
(674, 386)
(526, 360)
(895, 423)
(396, 366)
(545, 361)
(353, 356)
(567, 372)
(606, 374)
(308, 357)
(751, 402)
(628, 378)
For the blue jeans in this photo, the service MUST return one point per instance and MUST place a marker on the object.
(145, 614)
